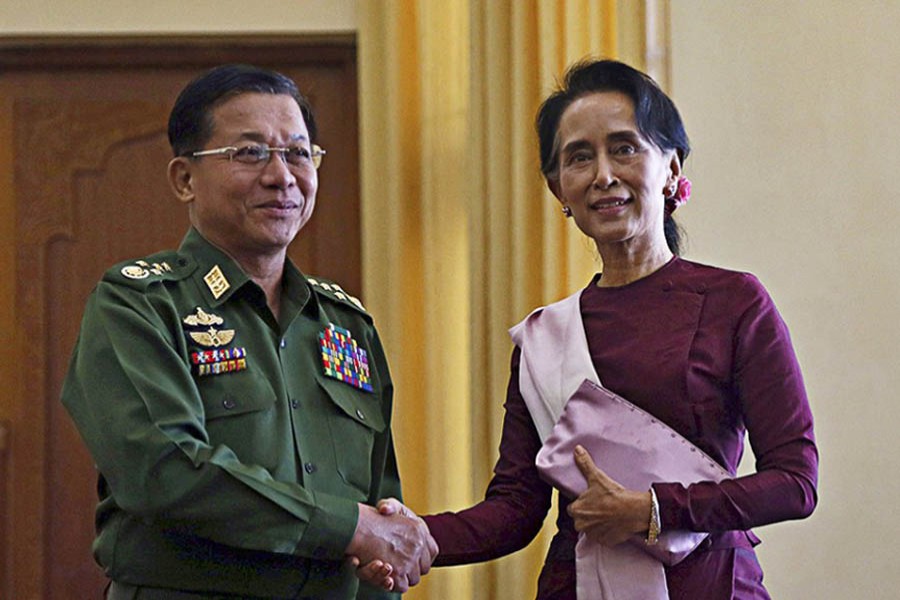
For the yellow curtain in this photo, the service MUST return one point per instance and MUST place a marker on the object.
(460, 237)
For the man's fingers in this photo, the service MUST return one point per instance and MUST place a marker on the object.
(377, 573)
(401, 584)
(424, 564)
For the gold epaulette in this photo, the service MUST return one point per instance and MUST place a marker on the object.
(163, 266)
(330, 289)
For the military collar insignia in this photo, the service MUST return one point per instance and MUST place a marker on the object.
(216, 282)
(343, 359)
(336, 291)
(205, 332)
(141, 269)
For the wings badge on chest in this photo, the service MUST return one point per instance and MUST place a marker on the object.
(210, 336)
(207, 331)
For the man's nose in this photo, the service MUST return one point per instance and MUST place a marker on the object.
(277, 172)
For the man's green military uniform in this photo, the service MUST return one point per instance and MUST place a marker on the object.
(232, 448)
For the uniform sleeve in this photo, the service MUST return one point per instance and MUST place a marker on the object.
(769, 394)
(515, 503)
(137, 407)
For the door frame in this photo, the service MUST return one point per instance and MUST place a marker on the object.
(23, 399)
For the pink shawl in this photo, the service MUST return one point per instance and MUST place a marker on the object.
(569, 406)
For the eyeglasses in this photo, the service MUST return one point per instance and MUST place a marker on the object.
(259, 154)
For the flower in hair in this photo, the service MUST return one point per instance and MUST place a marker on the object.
(681, 196)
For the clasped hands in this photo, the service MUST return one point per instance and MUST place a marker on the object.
(393, 546)
(606, 511)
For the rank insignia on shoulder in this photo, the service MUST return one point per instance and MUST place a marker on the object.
(203, 329)
(343, 359)
(217, 362)
(336, 291)
(141, 269)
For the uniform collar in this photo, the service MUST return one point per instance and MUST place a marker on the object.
(296, 292)
(219, 276)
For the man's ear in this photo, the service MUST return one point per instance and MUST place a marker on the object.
(181, 179)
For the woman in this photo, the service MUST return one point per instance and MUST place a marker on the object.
(699, 348)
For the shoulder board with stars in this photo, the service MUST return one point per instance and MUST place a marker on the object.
(331, 290)
(163, 266)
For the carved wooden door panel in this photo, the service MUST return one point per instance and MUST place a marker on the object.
(100, 195)
(90, 190)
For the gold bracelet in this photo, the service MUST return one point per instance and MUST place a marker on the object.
(654, 528)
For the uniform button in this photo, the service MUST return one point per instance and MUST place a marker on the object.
(360, 414)
(282, 343)
(309, 468)
(295, 403)
(229, 403)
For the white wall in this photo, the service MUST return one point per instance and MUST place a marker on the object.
(28, 17)
(792, 108)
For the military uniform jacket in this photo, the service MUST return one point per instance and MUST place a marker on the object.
(231, 448)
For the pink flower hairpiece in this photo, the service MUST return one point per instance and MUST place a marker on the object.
(681, 196)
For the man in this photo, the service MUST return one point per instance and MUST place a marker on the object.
(238, 411)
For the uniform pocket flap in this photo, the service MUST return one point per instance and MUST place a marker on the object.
(234, 394)
(362, 407)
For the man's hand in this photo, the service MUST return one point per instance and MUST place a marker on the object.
(376, 573)
(606, 511)
(401, 544)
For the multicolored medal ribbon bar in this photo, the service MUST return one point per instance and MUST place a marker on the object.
(343, 359)
(216, 362)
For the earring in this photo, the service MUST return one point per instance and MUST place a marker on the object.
(567, 211)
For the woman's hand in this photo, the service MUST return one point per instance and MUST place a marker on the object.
(606, 511)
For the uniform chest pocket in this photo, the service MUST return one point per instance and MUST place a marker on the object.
(234, 394)
(354, 421)
(241, 414)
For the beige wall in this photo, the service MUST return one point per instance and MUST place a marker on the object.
(175, 16)
(792, 108)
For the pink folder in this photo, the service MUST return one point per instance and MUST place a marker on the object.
(635, 449)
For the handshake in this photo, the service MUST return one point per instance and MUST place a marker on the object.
(391, 547)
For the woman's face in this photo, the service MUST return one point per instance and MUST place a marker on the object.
(611, 177)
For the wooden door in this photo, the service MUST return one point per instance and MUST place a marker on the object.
(87, 125)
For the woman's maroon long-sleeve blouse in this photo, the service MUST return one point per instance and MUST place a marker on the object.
(705, 351)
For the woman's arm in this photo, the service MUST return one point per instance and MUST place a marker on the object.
(515, 503)
(768, 392)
